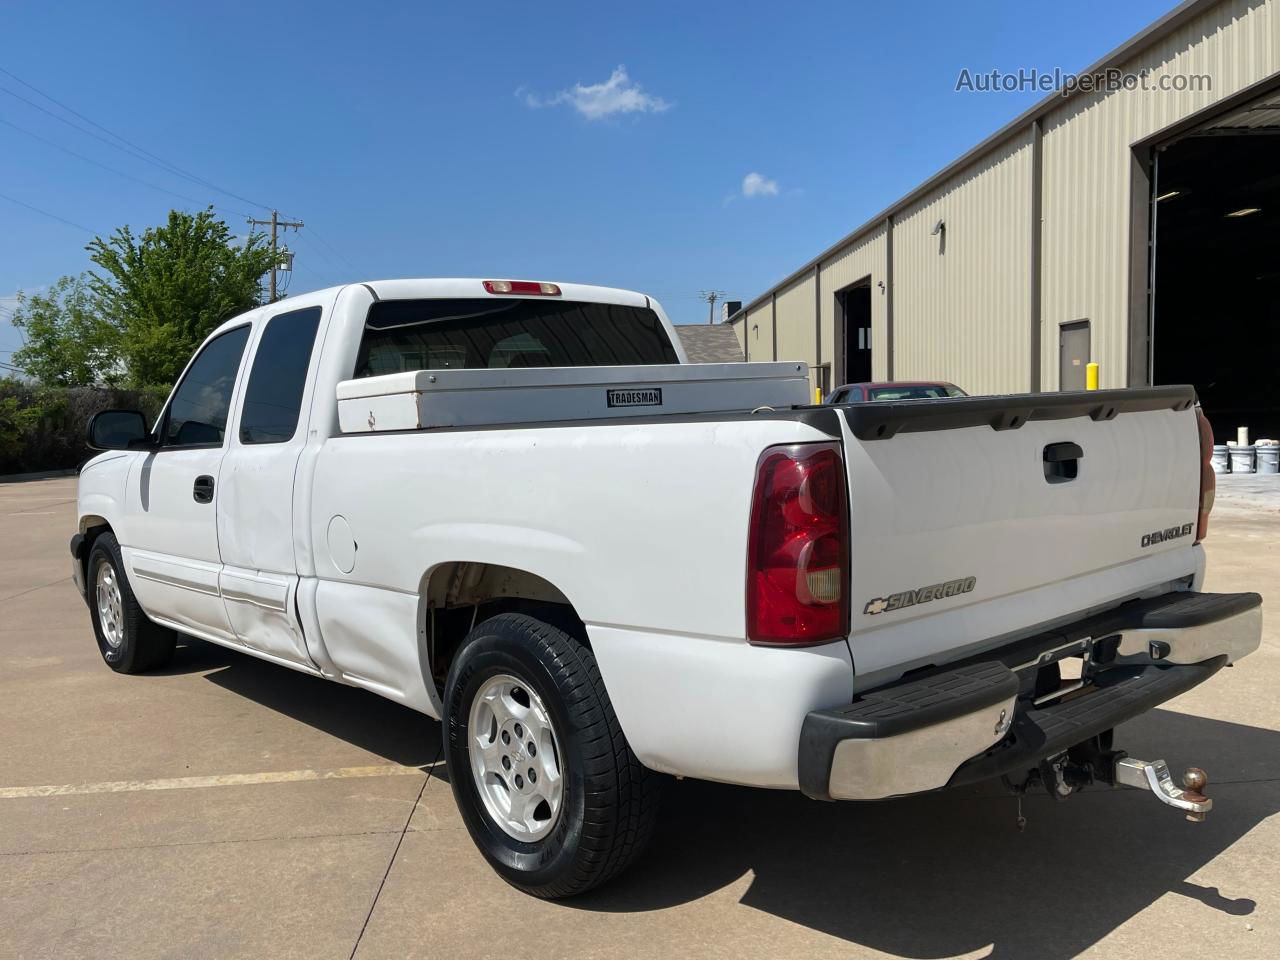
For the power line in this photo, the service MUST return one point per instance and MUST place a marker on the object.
(131, 148)
(326, 276)
(45, 213)
(110, 169)
(147, 153)
(75, 126)
(141, 153)
(337, 253)
(137, 152)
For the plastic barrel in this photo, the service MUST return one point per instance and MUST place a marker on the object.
(1269, 458)
(1242, 459)
(1221, 458)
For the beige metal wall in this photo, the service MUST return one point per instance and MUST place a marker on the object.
(962, 299)
(1087, 156)
(863, 258)
(759, 332)
(797, 334)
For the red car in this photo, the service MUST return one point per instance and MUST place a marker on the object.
(895, 390)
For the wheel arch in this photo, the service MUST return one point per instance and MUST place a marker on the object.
(89, 529)
(92, 526)
(455, 595)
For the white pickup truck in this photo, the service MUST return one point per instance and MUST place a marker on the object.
(511, 506)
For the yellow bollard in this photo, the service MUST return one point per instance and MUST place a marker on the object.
(817, 395)
(1091, 376)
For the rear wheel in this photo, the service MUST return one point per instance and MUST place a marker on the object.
(548, 787)
(127, 640)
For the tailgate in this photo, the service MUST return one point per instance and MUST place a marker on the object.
(976, 519)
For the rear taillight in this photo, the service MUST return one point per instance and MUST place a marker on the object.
(1208, 481)
(798, 548)
(522, 287)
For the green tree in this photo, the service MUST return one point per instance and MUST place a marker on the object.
(16, 420)
(67, 342)
(166, 290)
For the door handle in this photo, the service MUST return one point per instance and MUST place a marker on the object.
(202, 492)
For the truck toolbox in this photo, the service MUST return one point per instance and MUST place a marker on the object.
(979, 719)
(423, 399)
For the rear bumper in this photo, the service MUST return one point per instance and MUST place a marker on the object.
(979, 718)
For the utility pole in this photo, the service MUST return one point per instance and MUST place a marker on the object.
(276, 224)
(711, 296)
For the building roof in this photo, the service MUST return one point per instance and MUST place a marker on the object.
(710, 343)
(1160, 28)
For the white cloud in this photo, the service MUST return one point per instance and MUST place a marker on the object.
(758, 185)
(595, 101)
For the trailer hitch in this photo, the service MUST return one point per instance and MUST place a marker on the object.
(1154, 775)
(1095, 762)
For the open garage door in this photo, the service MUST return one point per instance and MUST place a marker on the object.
(1215, 308)
(853, 333)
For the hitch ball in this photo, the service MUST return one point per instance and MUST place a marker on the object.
(1195, 780)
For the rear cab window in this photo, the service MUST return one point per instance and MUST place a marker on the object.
(497, 334)
(273, 398)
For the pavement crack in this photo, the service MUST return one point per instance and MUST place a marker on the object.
(23, 593)
(51, 503)
(394, 853)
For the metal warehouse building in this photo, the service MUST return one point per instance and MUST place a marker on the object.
(1137, 225)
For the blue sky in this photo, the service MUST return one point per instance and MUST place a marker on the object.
(662, 147)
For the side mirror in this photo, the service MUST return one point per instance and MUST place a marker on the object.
(118, 430)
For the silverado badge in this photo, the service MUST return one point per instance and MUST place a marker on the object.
(909, 598)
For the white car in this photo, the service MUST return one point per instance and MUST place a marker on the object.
(512, 506)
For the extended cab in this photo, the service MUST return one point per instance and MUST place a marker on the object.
(513, 507)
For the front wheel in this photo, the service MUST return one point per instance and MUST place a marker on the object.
(127, 640)
(548, 787)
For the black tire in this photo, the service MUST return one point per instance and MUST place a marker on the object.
(610, 801)
(142, 645)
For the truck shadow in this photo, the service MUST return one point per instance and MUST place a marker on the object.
(361, 718)
(949, 873)
(922, 877)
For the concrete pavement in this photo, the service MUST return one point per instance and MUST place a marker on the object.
(226, 807)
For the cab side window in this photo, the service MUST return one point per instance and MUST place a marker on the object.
(273, 399)
(197, 414)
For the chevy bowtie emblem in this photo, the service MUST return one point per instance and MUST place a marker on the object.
(909, 598)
